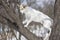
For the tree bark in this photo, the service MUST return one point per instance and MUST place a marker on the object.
(56, 27)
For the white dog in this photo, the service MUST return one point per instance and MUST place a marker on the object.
(37, 16)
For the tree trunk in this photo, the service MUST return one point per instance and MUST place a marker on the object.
(56, 27)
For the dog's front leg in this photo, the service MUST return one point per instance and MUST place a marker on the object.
(25, 21)
(28, 22)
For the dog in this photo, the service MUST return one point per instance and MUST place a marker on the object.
(37, 16)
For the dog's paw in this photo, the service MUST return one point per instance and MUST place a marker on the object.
(25, 25)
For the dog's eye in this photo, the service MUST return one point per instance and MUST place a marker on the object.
(24, 6)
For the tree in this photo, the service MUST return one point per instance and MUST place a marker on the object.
(9, 16)
(56, 27)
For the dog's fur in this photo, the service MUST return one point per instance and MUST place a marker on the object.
(36, 16)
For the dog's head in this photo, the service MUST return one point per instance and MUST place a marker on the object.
(22, 8)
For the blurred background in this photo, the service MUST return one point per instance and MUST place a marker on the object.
(45, 6)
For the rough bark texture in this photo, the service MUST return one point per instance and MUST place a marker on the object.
(56, 27)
